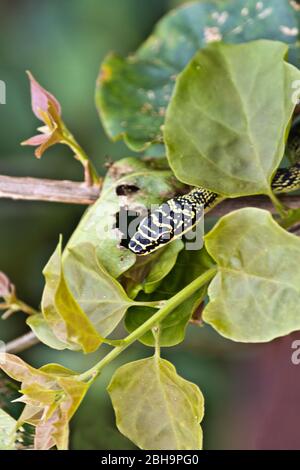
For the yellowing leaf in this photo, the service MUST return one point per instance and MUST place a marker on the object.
(52, 272)
(155, 407)
(101, 297)
(43, 332)
(51, 395)
(18, 370)
(63, 313)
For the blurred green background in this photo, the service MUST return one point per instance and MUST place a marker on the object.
(62, 42)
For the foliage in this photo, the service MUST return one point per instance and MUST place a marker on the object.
(225, 127)
(51, 396)
(133, 93)
(8, 431)
(155, 407)
(251, 129)
(255, 295)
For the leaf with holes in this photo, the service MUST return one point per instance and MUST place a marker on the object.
(131, 184)
(82, 302)
(133, 93)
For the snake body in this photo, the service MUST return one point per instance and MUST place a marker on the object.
(179, 215)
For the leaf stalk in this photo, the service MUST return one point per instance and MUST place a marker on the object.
(170, 305)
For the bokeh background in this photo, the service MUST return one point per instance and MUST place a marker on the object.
(251, 392)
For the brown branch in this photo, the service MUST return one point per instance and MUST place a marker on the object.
(34, 189)
(22, 343)
(295, 230)
(263, 202)
(71, 192)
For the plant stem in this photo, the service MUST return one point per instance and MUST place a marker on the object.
(22, 343)
(17, 306)
(281, 209)
(291, 219)
(91, 176)
(156, 334)
(153, 304)
(23, 307)
(153, 321)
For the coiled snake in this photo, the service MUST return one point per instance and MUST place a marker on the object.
(179, 215)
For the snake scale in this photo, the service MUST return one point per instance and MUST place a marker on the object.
(177, 216)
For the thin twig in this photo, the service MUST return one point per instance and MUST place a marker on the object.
(71, 192)
(35, 189)
(295, 230)
(262, 202)
(22, 343)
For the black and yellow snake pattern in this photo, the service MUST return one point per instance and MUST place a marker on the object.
(177, 216)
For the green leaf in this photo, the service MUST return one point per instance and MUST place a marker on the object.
(255, 295)
(172, 328)
(152, 183)
(149, 271)
(155, 408)
(162, 267)
(133, 93)
(189, 266)
(8, 431)
(227, 121)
